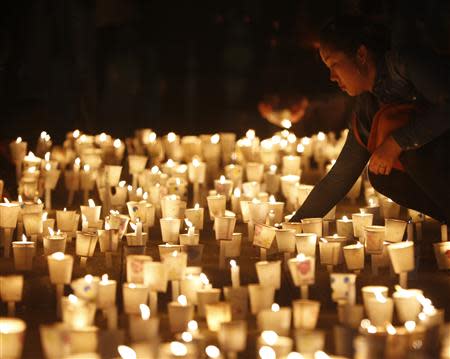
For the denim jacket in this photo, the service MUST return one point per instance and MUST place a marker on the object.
(402, 77)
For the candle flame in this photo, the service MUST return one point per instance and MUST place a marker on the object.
(301, 257)
(188, 223)
(272, 199)
(178, 349)
(91, 203)
(86, 168)
(275, 307)
(31, 155)
(105, 277)
(321, 136)
(133, 226)
(76, 134)
(212, 351)
(192, 325)
(171, 137)
(145, 311)
(6, 200)
(266, 352)
(215, 139)
(372, 329)
(195, 162)
(204, 279)
(107, 225)
(233, 263)
(292, 138)
(59, 256)
(24, 238)
(145, 196)
(270, 337)
(237, 192)
(88, 278)
(323, 240)
(19, 140)
(77, 161)
(182, 300)
(102, 137)
(222, 179)
(51, 231)
(250, 134)
(44, 216)
(170, 163)
(410, 326)
(345, 219)
(391, 329)
(47, 156)
(122, 184)
(286, 123)
(197, 206)
(126, 352)
(73, 299)
(48, 167)
(186, 337)
(321, 355)
(19, 198)
(117, 143)
(380, 297)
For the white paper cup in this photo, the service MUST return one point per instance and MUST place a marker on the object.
(306, 313)
(402, 256)
(261, 297)
(12, 335)
(269, 273)
(395, 230)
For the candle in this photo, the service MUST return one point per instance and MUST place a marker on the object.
(330, 253)
(134, 294)
(9, 213)
(106, 297)
(24, 252)
(302, 269)
(344, 227)
(54, 242)
(12, 337)
(180, 313)
(85, 246)
(206, 295)
(135, 267)
(305, 313)
(380, 309)
(216, 314)
(373, 239)
(261, 297)
(143, 327)
(216, 205)
(372, 291)
(407, 303)
(223, 186)
(11, 290)
(306, 243)
(235, 274)
(354, 257)
(273, 346)
(312, 225)
(360, 220)
(224, 227)
(170, 229)
(269, 273)
(276, 319)
(395, 230)
(195, 216)
(402, 259)
(77, 313)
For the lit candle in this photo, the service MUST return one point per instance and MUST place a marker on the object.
(302, 269)
(54, 242)
(24, 252)
(180, 313)
(9, 213)
(134, 294)
(380, 309)
(354, 257)
(11, 290)
(77, 313)
(144, 326)
(235, 274)
(344, 227)
(276, 318)
(12, 337)
(60, 268)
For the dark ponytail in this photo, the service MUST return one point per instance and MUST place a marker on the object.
(348, 32)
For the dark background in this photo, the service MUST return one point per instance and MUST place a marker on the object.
(187, 66)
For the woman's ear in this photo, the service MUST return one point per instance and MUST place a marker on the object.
(362, 55)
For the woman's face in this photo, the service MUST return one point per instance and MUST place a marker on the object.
(344, 70)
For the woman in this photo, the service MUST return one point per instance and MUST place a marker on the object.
(411, 165)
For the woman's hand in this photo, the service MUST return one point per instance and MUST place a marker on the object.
(384, 157)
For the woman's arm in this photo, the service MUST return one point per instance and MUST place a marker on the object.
(430, 75)
(336, 184)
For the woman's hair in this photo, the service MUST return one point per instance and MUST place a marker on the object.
(347, 33)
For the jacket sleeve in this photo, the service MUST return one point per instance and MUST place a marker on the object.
(430, 76)
(336, 184)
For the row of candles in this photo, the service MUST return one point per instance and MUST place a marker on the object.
(190, 288)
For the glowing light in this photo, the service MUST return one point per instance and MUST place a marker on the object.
(321, 136)
(47, 156)
(186, 337)
(192, 325)
(91, 203)
(300, 257)
(76, 134)
(88, 278)
(372, 329)
(365, 323)
(117, 143)
(275, 307)
(178, 349)
(266, 352)
(272, 199)
(292, 138)
(73, 299)
(233, 263)
(204, 279)
(145, 311)
(154, 170)
(126, 352)
(321, 355)
(250, 134)
(19, 140)
(294, 355)
(212, 351)
(345, 219)
(171, 137)
(305, 141)
(103, 137)
(152, 137)
(105, 278)
(51, 232)
(182, 300)
(215, 139)
(86, 168)
(197, 206)
(300, 148)
(286, 123)
(391, 329)
(410, 325)
(270, 337)
(380, 297)
(59, 256)
(24, 238)
(237, 192)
